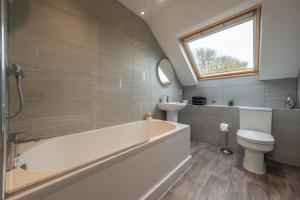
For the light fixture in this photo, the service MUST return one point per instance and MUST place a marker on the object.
(142, 12)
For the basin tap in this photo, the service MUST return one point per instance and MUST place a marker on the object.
(165, 99)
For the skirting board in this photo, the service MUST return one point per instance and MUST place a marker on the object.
(169, 180)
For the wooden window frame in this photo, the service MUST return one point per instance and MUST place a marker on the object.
(255, 71)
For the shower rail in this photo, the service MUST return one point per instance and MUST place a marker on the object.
(3, 95)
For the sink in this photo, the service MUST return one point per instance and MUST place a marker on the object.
(172, 109)
(172, 106)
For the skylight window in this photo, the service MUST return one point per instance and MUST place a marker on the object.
(226, 49)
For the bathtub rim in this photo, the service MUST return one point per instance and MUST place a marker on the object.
(63, 179)
(52, 139)
(27, 147)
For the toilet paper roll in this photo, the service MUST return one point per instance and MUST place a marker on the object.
(224, 127)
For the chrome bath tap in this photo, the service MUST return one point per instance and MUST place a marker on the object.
(13, 140)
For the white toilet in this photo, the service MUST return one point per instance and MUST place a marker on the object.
(255, 137)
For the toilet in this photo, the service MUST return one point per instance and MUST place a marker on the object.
(255, 137)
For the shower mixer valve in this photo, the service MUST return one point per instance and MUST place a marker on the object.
(16, 70)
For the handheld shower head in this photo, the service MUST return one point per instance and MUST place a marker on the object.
(16, 71)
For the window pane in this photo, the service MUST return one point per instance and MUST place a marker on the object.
(228, 50)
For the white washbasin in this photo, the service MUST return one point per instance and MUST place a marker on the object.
(172, 109)
(171, 106)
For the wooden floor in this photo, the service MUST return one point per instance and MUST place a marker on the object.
(217, 176)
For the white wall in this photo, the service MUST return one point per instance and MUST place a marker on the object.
(280, 47)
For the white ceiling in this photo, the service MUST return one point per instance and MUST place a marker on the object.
(169, 19)
(137, 6)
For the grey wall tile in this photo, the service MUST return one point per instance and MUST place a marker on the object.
(245, 95)
(214, 94)
(210, 83)
(286, 132)
(245, 91)
(277, 91)
(205, 121)
(88, 64)
(238, 81)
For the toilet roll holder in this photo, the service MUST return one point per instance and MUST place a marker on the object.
(225, 149)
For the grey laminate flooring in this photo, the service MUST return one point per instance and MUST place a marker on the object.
(217, 176)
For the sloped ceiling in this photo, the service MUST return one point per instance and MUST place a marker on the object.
(137, 6)
(170, 19)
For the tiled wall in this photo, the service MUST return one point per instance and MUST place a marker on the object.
(88, 64)
(286, 132)
(245, 91)
(205, 122)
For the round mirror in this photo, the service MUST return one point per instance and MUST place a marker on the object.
(165, 72)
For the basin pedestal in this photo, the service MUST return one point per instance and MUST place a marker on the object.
(172, 109)
(172, 116)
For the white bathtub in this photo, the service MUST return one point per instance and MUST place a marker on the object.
(139, 160)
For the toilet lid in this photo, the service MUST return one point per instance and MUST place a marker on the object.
(255, 136)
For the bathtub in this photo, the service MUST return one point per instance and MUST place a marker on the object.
(138, 160)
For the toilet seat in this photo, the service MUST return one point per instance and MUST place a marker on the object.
(255, 136)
